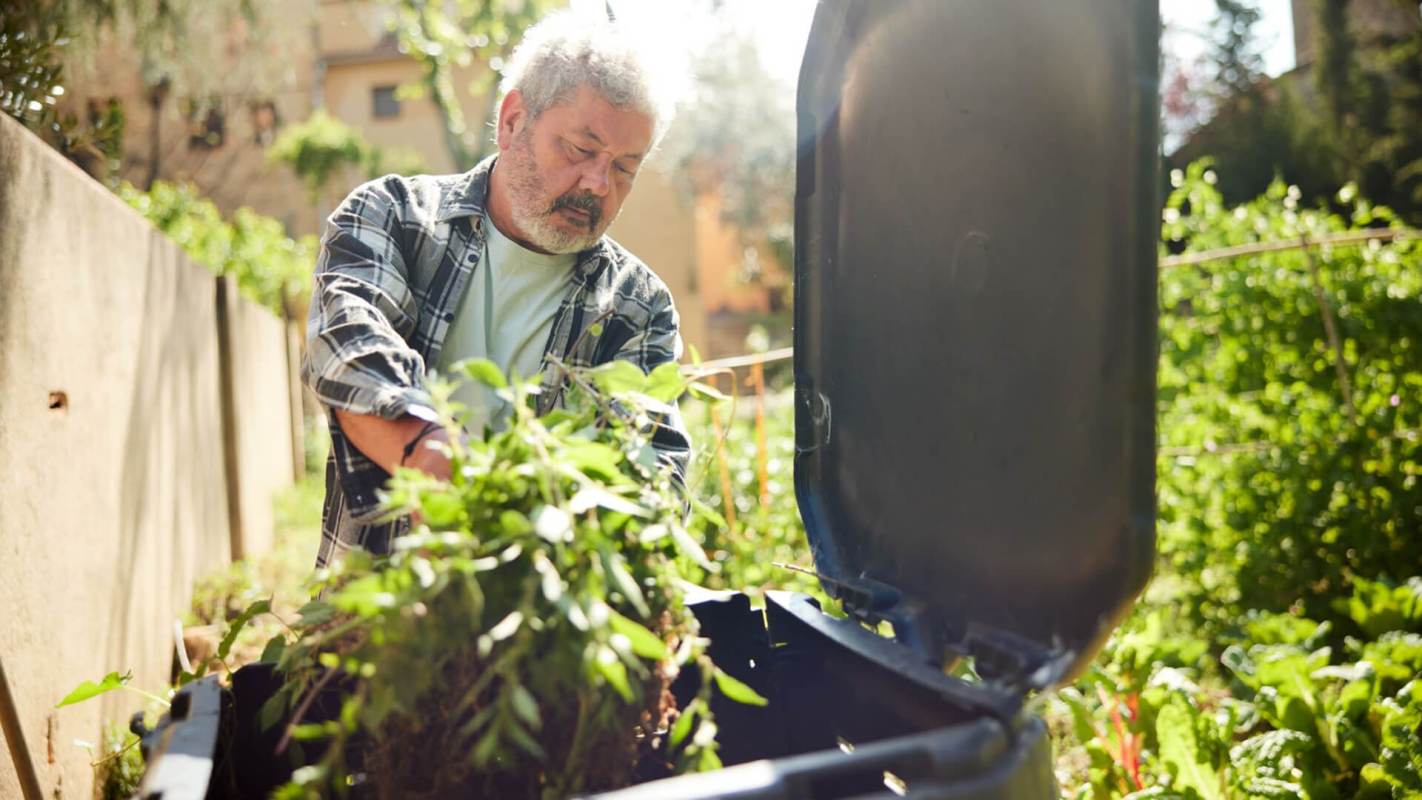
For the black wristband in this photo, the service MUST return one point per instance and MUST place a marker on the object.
(413, 443)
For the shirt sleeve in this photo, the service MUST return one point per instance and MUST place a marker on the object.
(362, 311)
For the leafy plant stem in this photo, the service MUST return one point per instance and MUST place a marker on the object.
(115, 754)
(148, 695)
(306, 702)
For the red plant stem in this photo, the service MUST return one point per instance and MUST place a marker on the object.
(1128, 753)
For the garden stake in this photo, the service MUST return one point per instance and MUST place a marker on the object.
(1328, 327)
(758, 378)
(727, 500)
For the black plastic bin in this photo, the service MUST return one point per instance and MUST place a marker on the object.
(976, 218)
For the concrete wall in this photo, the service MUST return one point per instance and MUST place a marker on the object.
(111, 438)
(262, 392)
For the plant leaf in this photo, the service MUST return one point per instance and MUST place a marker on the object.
(591, 496)
(644, 642)
(689, 546)
(525, 706)
(1181, 750)
(618, 376)
(259, 607)
(682, 727)
(90, 689)
(665, 383)
(315, 613)
(273, 650)
(735, 690)
(606, 662)
(484, 371)
(625, 583)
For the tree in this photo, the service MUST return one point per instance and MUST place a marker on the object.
(1259, 128)
(736, 135)
(445, 36)
(32, 39)
(1371, 85)
(320, 148)
(45, 42)
(1234, 49)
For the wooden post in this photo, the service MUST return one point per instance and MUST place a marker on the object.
(15, 740)
(227, 299)
(291, 328)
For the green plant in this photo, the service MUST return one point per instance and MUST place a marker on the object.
(270, 267)
(33, 41)
(1288, 455)
(1276, 651)
(444, 38)
(321, 147)
(516, 641)
(119, 769)
(1281, 719)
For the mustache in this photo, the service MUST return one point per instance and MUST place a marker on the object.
(586, 202)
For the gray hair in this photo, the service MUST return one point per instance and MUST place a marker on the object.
(567, 50)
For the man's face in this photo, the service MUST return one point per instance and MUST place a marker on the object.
(569, 170)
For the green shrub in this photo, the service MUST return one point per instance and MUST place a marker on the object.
(119, 769)
(1277, 651)
(270, 267)
(1273, 490)
(322, 147)
(517, 642)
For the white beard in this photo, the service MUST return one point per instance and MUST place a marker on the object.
(531, 213)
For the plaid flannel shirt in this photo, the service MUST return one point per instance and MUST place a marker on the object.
(396, 258)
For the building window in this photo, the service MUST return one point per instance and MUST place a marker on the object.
(264, 122)
(206, 123)
(384, 102)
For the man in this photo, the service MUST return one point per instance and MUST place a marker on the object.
(507, 261)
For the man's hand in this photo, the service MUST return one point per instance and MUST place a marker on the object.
(384, 440)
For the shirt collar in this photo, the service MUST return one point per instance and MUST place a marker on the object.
(468, 195)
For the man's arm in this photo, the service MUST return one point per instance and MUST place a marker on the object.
(358, 361)
(384, 441)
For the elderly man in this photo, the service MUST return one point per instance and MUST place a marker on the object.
(508, 262)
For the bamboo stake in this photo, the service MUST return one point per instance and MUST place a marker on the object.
(728, 500)
(1330, 328)
(761, 459)
(1343, 238)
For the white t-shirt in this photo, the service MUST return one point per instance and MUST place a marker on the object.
(506, 316)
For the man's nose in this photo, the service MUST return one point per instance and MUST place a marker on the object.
(596, 176)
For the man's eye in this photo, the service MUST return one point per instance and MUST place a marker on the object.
(583, 152)
(625, 171)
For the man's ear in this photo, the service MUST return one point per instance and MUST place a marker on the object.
(513, 115)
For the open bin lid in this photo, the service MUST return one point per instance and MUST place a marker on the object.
(975, 318)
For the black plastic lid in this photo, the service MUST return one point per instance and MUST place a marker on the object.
(975, 299)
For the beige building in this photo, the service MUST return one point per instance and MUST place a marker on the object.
(341, 56)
